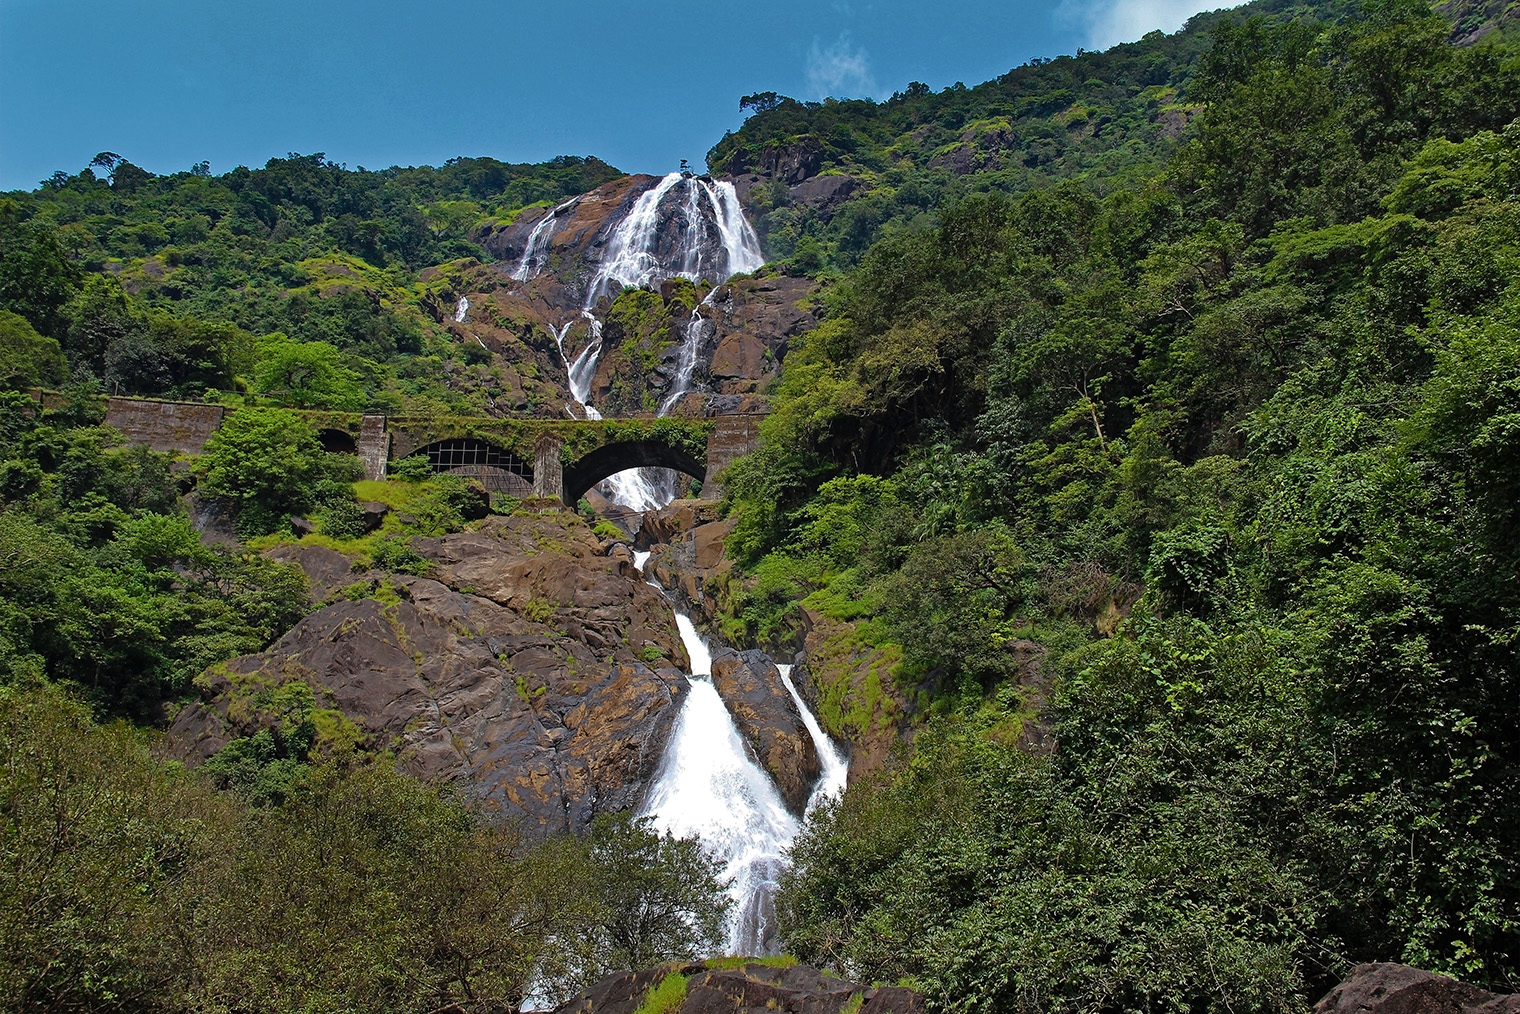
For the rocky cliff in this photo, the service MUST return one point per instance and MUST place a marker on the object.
(524, 312)
(532, 669)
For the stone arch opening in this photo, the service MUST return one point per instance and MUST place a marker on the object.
(610, 459)
(498, 471)
(338, 441)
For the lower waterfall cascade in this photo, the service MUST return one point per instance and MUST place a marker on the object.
(708, 786)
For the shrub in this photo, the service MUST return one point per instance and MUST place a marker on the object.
(265, 458)
(410, 469)
(397, 556)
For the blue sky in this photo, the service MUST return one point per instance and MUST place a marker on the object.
(168, 83)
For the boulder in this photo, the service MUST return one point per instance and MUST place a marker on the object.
(753, 988)
(300, 526)
(1388, 988)
(769, 721)
(374, 512)
(673, 521)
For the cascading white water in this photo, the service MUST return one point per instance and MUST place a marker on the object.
(686, 364)
(536, 253)
(716, 242)
(836, 767)
(461, 309)
(708, 786)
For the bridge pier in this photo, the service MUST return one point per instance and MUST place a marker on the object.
(733, 437)
(374, 446)
(548, 469)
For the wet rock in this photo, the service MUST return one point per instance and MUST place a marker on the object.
(767, 717)
(1387, 988)
(513, 676)
(751, 989)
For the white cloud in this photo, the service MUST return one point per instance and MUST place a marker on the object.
(840, 70)
(1109, 22)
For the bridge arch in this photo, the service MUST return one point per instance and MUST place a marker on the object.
(609, 459)
(338, 441)
(500, 471)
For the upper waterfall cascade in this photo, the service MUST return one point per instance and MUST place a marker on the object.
(684, 226)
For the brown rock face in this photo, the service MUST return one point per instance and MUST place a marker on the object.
(1386, 988)
(516, 674)
(767, 717)
(687, 553)
(752, 989)
(327, 570)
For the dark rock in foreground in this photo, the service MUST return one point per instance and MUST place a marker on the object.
(1386, 988)
(752, 989)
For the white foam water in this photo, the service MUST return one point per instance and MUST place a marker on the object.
(836, 767)
(715, 242)
(707, 786)
(535, 255)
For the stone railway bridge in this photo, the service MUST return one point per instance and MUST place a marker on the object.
(551, 458)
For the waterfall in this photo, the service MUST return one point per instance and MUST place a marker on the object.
(691, 345)
(715, 242)
(461, 309)
(536, 252)
(707, 785)
(836, 767)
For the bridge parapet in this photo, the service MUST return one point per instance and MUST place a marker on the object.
(564, 452)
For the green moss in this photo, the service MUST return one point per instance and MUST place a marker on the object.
(605, 529)
(666, 997)
(729, 963)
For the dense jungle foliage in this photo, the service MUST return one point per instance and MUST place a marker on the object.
(297, 282)
(361, 890)
(1112, 119)
(1214, 475)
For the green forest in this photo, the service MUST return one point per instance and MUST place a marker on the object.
(1156, 435)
